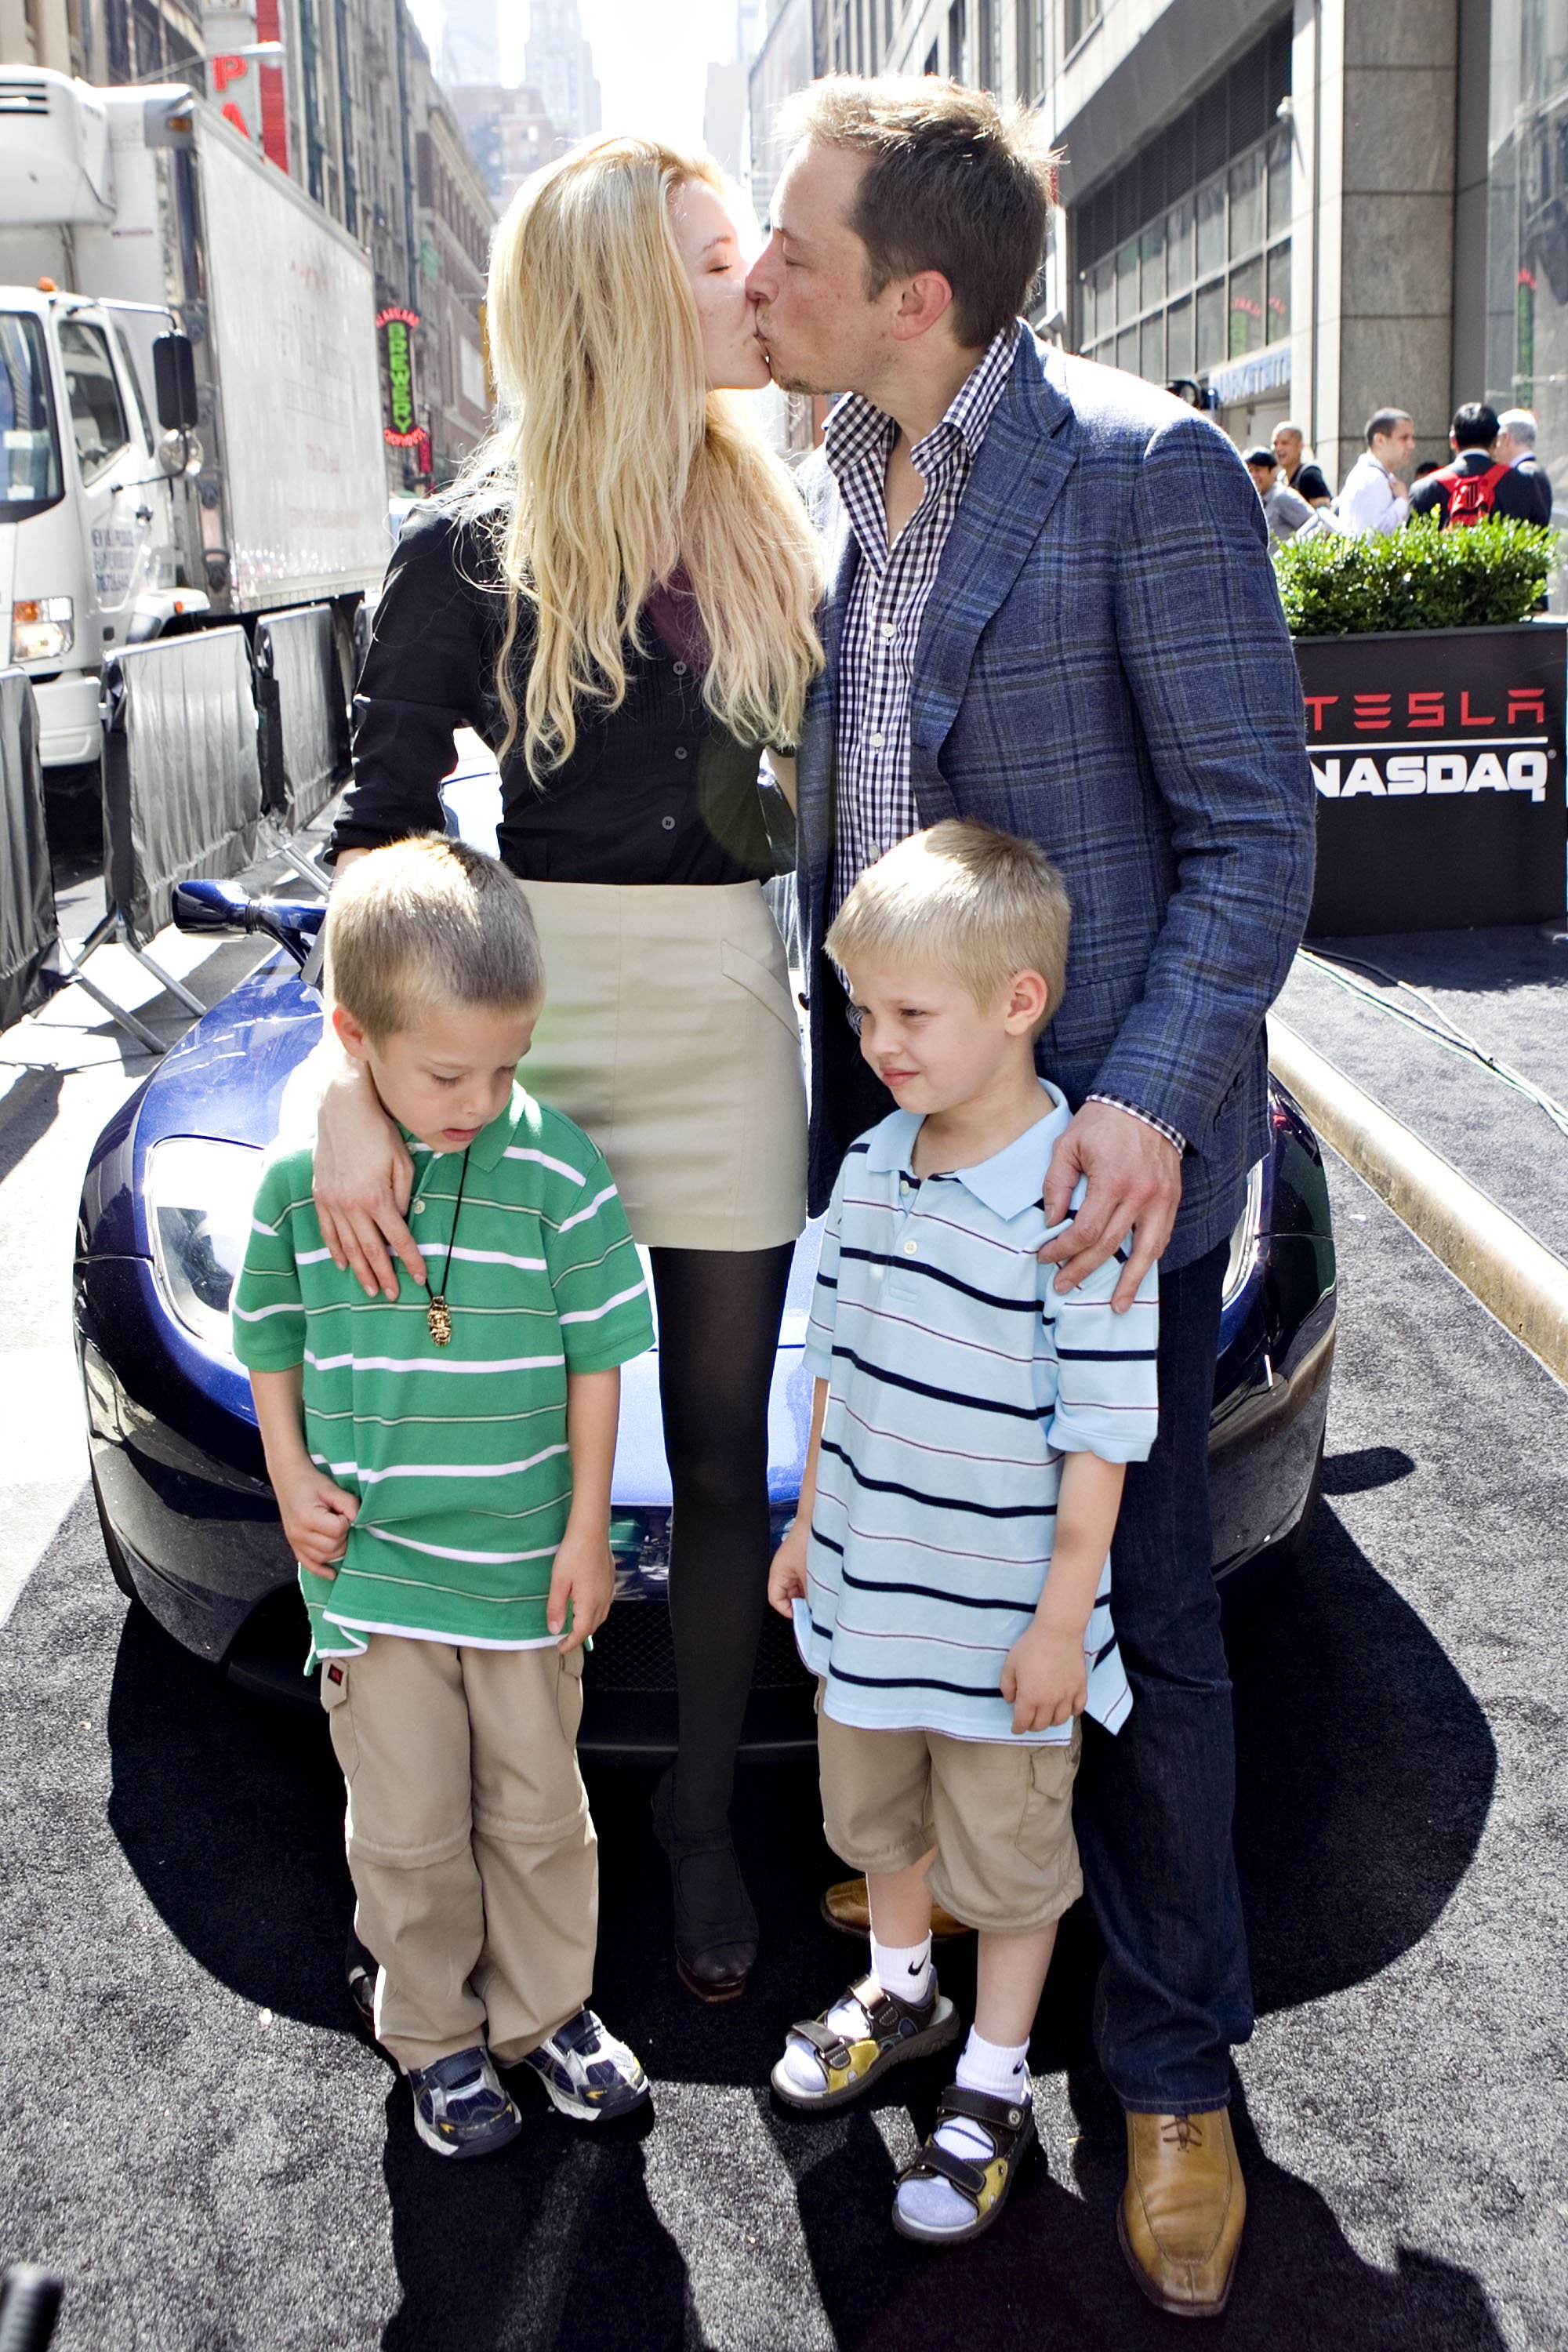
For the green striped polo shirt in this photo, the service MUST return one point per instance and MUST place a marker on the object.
(457, 1454)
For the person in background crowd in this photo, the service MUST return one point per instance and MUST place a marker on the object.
(1479, 484)
(1302, 474)
(1373, 496)
(1515, 446)
(1428, 465)
(1285, 508)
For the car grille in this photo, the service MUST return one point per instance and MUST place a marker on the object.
(633, 1650)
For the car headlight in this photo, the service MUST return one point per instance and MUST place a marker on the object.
(1246, 1235)
(43, 629)
(199, 1196)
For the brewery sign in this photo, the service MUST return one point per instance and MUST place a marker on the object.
(396, 328)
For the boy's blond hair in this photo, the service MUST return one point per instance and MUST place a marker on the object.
(426, 923)
(982, 904)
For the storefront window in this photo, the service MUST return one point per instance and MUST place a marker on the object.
(1527, 278)
(1179, 333)
(1127, 282)
(1278, 300)
(1211, 325)
(1247, 205)
(1179, 246)
(1245, 310)
(1127, 350)
(1152, 348)
(1152, 264)
(1279, 183)
(1211, 227)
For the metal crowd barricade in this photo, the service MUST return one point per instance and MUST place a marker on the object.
(182, 792)
(29, 932)
(304, 722)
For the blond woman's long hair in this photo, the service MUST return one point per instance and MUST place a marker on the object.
(612, 463)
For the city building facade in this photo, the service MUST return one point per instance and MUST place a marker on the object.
(559, 64)
(509, 134)
(1313, 209)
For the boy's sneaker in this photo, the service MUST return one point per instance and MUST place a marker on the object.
(832, 2059)
(459, 2107)
(587, 2073)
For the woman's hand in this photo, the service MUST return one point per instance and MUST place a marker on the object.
(786, 1577)
(362, 1179)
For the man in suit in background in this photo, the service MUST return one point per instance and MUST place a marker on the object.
(1051, 608)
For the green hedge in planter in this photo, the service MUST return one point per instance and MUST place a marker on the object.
(1422, 577)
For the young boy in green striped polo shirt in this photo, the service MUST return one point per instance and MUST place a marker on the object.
(442, 1465)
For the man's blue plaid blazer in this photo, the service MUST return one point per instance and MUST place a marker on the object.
(1104, 667)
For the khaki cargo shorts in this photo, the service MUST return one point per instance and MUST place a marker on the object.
(999, 1816)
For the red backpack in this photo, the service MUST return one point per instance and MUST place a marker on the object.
(1471, 496)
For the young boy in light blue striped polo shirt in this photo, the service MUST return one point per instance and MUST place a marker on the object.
(949, 1570)
(442, 1465)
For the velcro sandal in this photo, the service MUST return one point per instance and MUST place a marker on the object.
(983, 2183)
(882, 2032)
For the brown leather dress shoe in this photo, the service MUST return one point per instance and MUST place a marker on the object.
(845, 1907)
(1180, 2218)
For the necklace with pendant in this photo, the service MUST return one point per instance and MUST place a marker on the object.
(439, 1315)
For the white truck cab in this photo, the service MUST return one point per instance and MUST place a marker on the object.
(89, 551)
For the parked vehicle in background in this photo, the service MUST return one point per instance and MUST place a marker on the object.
(190, 412)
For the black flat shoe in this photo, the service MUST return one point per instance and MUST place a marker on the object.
(715, 1926)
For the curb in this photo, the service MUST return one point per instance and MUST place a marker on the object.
(1515, 1276)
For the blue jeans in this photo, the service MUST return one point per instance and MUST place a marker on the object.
(1154, 1802)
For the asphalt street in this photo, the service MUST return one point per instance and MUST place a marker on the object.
(193, 2132)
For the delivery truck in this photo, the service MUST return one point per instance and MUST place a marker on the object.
(190, 409)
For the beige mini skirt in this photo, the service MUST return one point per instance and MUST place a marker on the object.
(669, 1033)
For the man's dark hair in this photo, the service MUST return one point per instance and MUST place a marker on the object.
(1261, 457)
(953, 182)
(1475, 427)
(1383, 420)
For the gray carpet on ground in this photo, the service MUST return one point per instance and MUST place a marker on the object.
(192, 2132)
(1509, 988)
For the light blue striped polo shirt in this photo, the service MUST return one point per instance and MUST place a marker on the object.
(959, 1376)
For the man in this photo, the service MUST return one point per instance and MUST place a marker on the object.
(1374, 495)
(1515, 446)
(1051, 608)
(1284, 509)
(1305, 476)
(1480, 483)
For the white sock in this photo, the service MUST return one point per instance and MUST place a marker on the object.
(903, 1969)
(990, 2066)
(895, 1966)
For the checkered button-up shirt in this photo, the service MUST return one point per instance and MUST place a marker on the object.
(875, 801)
(889, 597)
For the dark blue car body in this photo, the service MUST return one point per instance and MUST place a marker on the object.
(189, 1522)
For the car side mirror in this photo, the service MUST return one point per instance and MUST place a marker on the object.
(175, 382)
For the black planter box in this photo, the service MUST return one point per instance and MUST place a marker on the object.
(1439, 761)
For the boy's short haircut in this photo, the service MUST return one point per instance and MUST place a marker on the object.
(982, 904)
(425, 923)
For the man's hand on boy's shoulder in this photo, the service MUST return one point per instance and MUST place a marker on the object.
(583, 1575)
(1134, 1185)
(317, 1517)
(1044, 1678)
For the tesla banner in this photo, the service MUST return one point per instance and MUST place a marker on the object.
(1439, 759)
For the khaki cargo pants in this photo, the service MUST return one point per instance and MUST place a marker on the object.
(470, 1841)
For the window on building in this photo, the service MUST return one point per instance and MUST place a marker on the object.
(1078, 17)
(1189, 243)
(958, 41)
(933, 61)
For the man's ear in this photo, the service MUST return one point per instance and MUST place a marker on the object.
(351, 1033)
(925, 298)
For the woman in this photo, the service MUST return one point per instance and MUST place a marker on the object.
(620, 600)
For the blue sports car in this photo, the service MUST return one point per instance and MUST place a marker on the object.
(188, 1519)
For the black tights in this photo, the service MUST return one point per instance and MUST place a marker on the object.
(719, 1313)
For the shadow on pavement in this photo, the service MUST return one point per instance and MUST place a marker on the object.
(1367, 1769)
